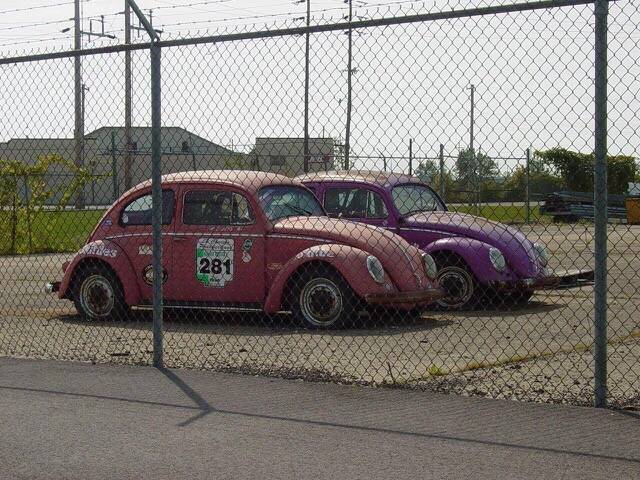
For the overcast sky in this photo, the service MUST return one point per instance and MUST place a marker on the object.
(533, 73)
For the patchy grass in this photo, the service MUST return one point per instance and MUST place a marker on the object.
(434, 371)
(503, 213)
(52, 231)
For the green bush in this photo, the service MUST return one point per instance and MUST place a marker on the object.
(24, 192)
(576, 169)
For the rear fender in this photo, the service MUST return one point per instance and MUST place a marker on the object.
(476, 255)
(111, 254)
(350, 262)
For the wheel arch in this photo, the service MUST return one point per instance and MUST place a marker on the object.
(474, 253)
(85, 263)
(118, 263)
(349, 262)
(294, 277)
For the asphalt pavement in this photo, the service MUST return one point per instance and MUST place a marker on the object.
(74, 420)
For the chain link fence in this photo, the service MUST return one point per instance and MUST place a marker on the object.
(435, 229)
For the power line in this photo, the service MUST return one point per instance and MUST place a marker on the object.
(194, 4)
(250, 17)
(39, 24)
(34, 41)
(48, 5)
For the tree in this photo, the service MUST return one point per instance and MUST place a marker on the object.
(427, 171)
(473, 168)
(576, 169)
(541, 182)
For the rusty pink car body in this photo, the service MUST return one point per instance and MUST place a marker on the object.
(252, 257)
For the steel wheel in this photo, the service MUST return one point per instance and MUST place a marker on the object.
(322, 299)
(321, 302)
(98, 294)
(459, 285)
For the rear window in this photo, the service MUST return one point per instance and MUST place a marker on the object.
(139, 211)
(354, 203)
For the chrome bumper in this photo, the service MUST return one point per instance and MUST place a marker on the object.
(52, 287)
(560, 280)
(405, 298)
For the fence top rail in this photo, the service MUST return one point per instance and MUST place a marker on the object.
(379, 22)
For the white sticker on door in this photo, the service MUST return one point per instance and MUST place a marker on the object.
(214, 261)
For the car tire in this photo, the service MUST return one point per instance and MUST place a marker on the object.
(98, 294)
(321, 299)
(460, 284)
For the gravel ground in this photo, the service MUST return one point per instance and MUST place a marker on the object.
(561, 378)
(538, 353)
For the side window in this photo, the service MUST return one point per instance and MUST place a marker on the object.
(375, 205)
(211, 207)
(354, 203)
(139, 211)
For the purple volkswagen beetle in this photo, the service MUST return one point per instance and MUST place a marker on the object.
(478, 259)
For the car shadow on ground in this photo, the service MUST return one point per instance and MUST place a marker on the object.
(532, 308)
(261, 324)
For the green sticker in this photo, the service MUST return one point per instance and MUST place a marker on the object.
(214, 261)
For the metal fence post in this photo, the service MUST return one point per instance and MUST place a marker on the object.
(410, 156)
(114, 166)
(528, 187)
(600, 189)
(156, 193)
(156, 187)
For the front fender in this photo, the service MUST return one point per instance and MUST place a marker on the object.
(476, 255)
(111, 254)
(350, 262)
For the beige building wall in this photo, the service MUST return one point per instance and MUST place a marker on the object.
(286, 155)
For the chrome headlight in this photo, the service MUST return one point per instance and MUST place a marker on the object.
(430, 266)
(543, 254)
(497, 259)
(375, 268)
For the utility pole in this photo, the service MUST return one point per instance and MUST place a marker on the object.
(410, 156)
(127, 97)
(79, 87)
(78, 131)
(347, 138)
(306, 91)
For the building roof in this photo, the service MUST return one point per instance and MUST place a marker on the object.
(249, 180)
(364, 176)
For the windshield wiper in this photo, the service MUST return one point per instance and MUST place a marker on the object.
(299, 210)
(419, 210)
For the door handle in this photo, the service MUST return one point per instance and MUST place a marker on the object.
(179, 238)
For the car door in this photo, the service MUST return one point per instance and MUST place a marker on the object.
(218, 248)
(135, 237)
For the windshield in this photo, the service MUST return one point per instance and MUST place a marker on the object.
(288, 201)
(415, 198)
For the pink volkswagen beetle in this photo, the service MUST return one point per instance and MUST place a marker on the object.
(239, 240)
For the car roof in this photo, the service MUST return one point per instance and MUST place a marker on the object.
(385, 179)
(249, 180)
